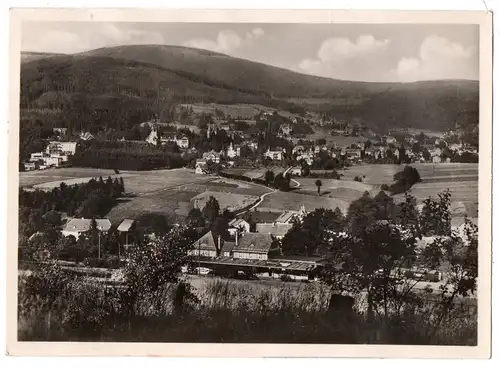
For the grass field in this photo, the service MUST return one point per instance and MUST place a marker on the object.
(31, 178)
(293, 201)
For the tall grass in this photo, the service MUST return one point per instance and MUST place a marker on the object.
(226, 311)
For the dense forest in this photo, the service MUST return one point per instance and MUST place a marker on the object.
(119, 87)
(127, 156)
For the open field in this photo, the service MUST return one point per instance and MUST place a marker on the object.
(293, 201)
(383, 174)
(30, 178)
(230, 201)
(339, 189)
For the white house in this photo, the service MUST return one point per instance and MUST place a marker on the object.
(390, 140)
(201, 167)
(274, 155)
(212, 156)
(77, 226)
(152, 138)
(285, 129)
(233, 151)
(238, 224)
(63, 148)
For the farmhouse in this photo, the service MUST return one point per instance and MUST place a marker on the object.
(254, 246)
(78, 226)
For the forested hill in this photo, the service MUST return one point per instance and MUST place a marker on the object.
(127, 79)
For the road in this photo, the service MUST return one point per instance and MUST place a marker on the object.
(297, 184)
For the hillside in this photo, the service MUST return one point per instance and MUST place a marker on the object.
(130, 76)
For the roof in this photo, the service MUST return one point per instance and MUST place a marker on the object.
(286, 217)
(227, 246)
(206, 242)
(254, 243)
(125, 225)
(303, 259)
(273, 229)
(269, 264)
(82, 224)
(237, 222)
(264, 216)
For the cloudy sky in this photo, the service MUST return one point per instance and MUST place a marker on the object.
(366, 52)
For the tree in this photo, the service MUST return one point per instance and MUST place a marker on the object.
(318, 184)
(311, 235)
(156, 263)
(269, 177)
(211, 209)
(435, 218)
(195, 218)
(459, 251)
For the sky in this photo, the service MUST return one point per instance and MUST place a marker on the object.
(362, 52)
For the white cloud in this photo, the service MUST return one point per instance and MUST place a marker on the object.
(99, 35)
(226, 41)
(439, 58)
(339, 57)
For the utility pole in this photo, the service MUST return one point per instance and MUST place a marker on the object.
(99, 246)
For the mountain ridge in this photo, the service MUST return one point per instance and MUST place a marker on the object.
(187, 75)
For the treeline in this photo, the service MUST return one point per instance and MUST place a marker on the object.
(92, 199)
(127, 156)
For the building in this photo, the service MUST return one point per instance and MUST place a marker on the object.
(212, 156)
(353, 153)
(126, 227)
(152, 138)
(48, 160)
(277, 230)
(254, 246)
(62, 148)
(274, 155)
(296, 171)
(238, 224)
(298, 149)
(207, 246)
(28, 166)
(201, 167)
(233, 151)
(390, 140)
(86, 136)
(60, 131)
(78, 226)
(285, 129)
(182, 141)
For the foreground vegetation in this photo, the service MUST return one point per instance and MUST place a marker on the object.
(369, 252)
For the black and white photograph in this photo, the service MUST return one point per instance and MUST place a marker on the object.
(252, 182)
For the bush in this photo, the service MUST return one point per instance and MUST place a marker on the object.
(286, 278)
(358, 178)
(104, 262)
(384, 187)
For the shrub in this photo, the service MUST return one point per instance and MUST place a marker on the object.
(286, 278)
(358, 178)
(384, 187)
